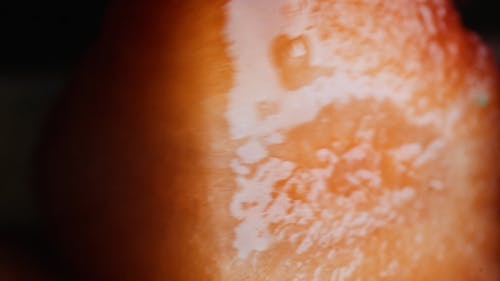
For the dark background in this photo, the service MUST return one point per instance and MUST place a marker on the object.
(40, 42)
(46, 34)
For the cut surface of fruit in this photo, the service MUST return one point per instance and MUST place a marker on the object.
(281, 140)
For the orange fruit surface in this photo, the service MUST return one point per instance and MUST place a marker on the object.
(304, 140)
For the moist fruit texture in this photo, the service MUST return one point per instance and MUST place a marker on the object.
(303, 140)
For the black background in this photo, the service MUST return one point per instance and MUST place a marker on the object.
(47, 33)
